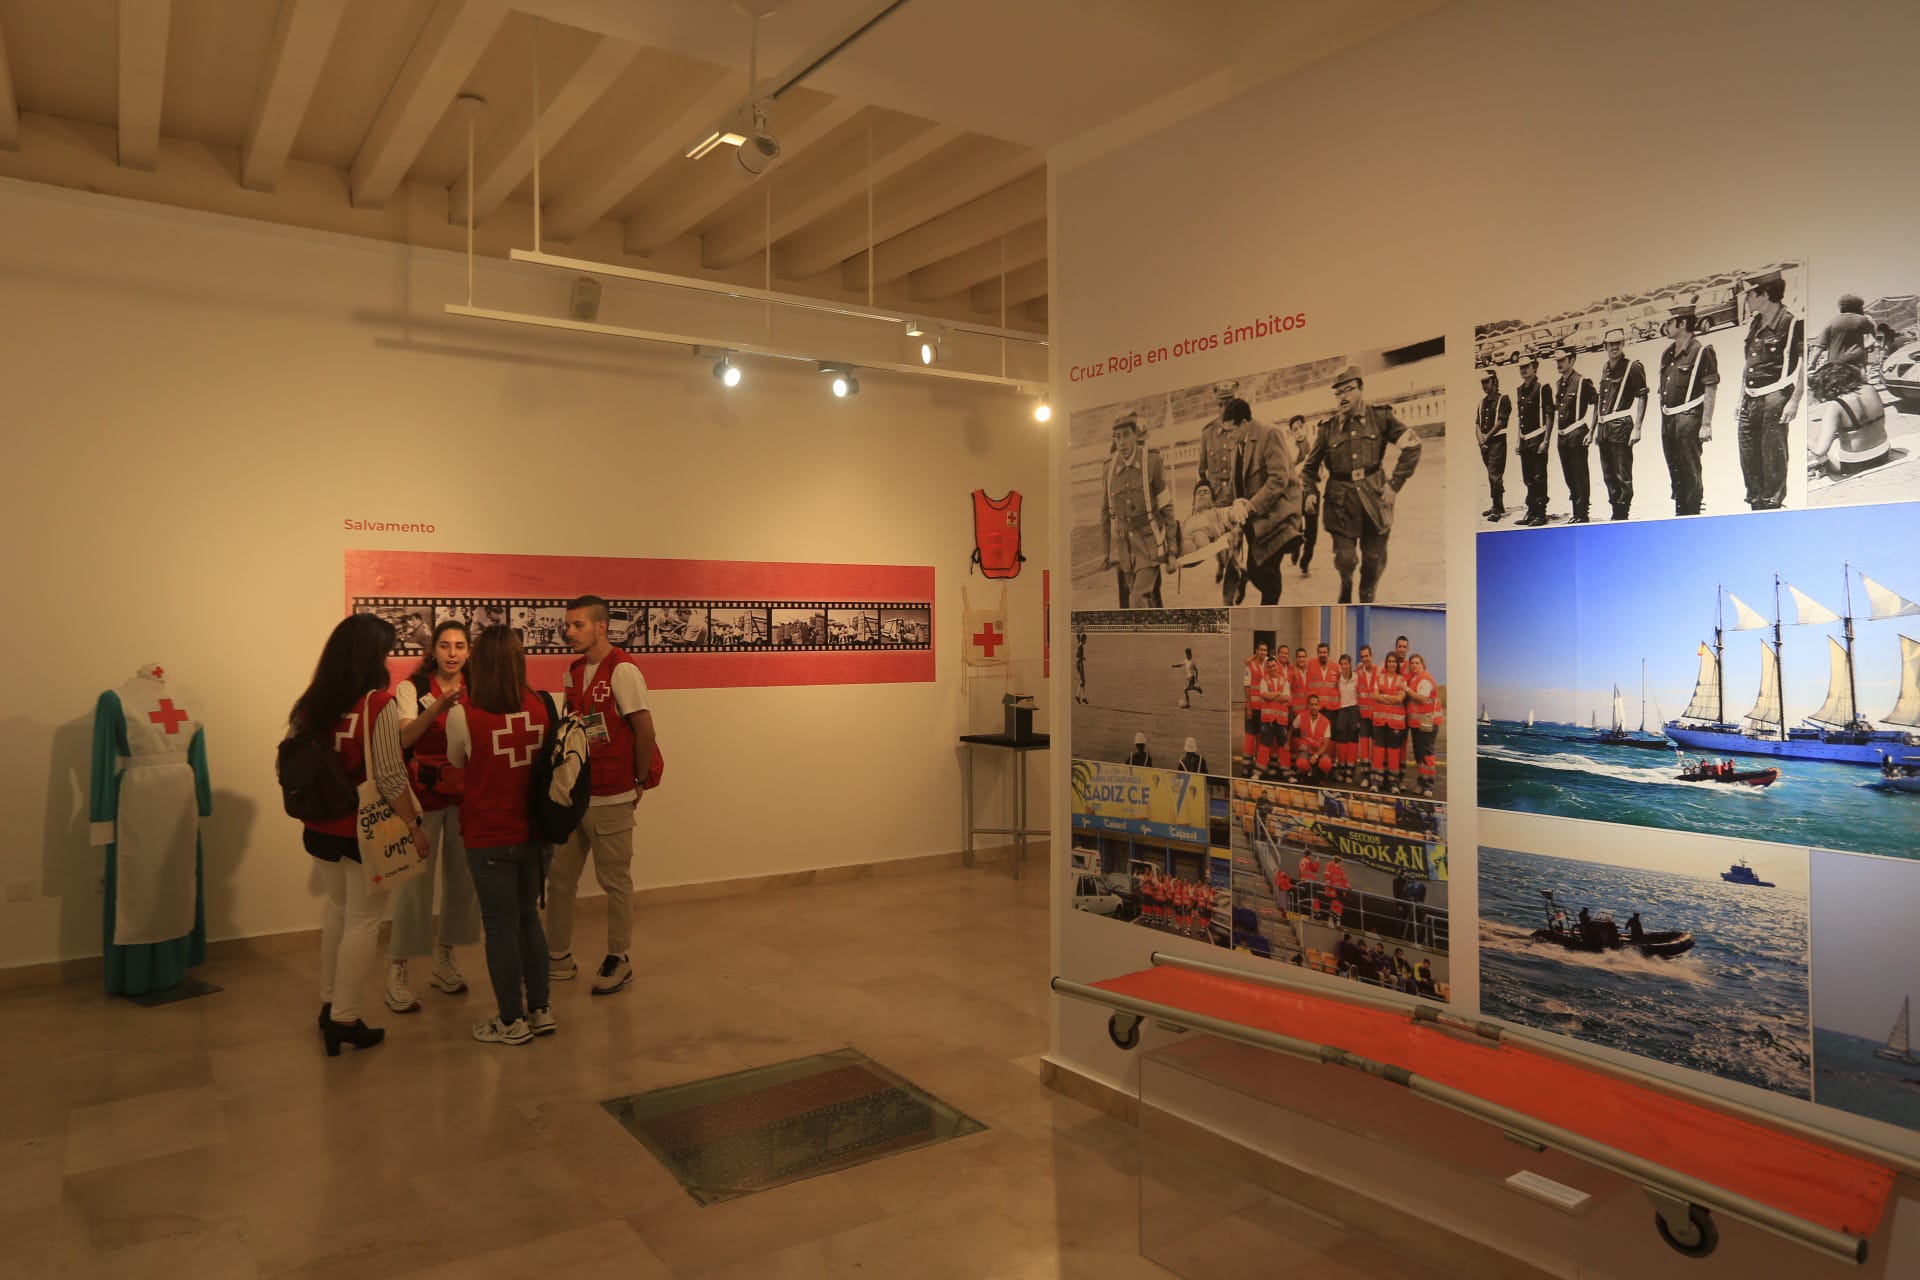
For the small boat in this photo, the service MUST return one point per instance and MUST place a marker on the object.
(1529, 717)
(1723, 771)
(1618, 735)
(1741, 873)
(1900, 774)
(1600, 933)
(1483, 714)
(1899, 1045)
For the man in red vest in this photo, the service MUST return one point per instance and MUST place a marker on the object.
(605, 686)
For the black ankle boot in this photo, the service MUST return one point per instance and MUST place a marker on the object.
(356, 1033)
(326, 1014)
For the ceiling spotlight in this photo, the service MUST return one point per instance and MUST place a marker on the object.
(915, 329)
(930, 350)
(759, 149)
(727, 371)
(844, 384)
(1043, 412)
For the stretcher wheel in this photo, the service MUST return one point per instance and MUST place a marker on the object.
(1705, 1236)
(1128, 1038)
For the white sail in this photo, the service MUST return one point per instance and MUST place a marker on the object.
(1529, 717)
(1899, 1040)
(1907, 710)
(1837, 710)
(1808, 612)
(1706, 690)
(1886, 604)
(1619, 711)
(1745, 619)
(1765, 716)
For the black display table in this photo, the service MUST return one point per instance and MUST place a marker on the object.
(1019, 830)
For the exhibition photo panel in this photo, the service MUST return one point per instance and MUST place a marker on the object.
(1152, 688)
(1685, 950)
(1865, 1056)
(1781, 689)
(1151, 848)
(1863, 391)
(1321, 483)
(1682, 398)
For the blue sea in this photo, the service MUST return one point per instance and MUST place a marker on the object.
(1848, 1076)
(1815, 803)
(1735, 1006)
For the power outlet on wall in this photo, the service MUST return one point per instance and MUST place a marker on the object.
(19, 890)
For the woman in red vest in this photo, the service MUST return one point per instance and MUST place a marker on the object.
(348, 700)
(1423, 720)
(494, 734)
(1389, 727)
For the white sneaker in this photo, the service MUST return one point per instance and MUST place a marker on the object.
(562, 968)
(541, 1021)
(400, 996)
(494, 1031)
(446, 974)
(614, 974)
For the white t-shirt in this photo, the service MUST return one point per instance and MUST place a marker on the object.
(629, 696)
(459, 738)
(408, 702)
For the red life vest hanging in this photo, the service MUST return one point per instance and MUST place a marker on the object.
(996, 534)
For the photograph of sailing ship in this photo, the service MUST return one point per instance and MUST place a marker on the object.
(1647, 949)
(1801, 732)
(1866, 972)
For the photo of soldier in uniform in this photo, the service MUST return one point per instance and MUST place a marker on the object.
(1350, 886)
(1681, 399)
(412, 623)
(1221, 493)
(1863, 398)
(1156, 689)
(541, 628)
(853, 626)
(801, 625)
(1353, 698)
(910, 625)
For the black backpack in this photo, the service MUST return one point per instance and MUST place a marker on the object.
(562, 781)
(314, 786)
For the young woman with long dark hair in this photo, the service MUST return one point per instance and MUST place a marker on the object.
(423, 699)
(347, 701)
(494, 734)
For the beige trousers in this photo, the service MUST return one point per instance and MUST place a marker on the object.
(606, 833)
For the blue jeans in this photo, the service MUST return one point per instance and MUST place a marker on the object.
(507, 881)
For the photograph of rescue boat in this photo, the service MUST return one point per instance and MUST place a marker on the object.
(1656, 954)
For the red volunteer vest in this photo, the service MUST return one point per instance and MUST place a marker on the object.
(1363, 684)
(611, 761)
(432, 748)
(1299, 678)
(493, 810)
(1274, 707)
(996, 534)
(1324, 679)
(1423, 703)
(1310, 734)
(350, 744)
(1393, 715)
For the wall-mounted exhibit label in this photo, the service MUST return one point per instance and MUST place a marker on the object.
(349, 524)
(695, 624)
(1270, 325)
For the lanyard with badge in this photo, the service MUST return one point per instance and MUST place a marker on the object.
(594, 721)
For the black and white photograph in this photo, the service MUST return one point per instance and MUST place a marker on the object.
(1153, 689)
(1151, 847)
(1680, 399)
(1866, 973)
(909, 624)
(1315, 483)
(541, 628)
(1863, 398)
(738, 626)
(1352, 697)
(1347, 885)
(853, 624)
(680, 625)
(1687, 950)
(798, 625)
(627, 623)
(412, 621)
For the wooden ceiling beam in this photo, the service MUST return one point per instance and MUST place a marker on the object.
(709, 188)
(1023, 286)
(967, 173)
(450, 46)
(1021, 247)
(977, 222)
(508, 156)
(804, 195)
(302, 38)
(143, 79)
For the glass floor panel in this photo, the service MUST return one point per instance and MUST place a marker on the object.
(733, 1135)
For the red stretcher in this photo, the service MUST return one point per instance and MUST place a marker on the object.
(1691, 1152)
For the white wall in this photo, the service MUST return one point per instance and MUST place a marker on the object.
(192, 404)
(1490, 158)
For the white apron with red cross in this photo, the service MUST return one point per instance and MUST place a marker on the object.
(985, 631)
(157, 825)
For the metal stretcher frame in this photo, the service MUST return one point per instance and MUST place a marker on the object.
(1681, 1201)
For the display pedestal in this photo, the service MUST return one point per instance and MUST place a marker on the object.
(969, 743)
(1323, 1175)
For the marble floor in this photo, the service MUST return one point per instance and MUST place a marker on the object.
(213, 1139)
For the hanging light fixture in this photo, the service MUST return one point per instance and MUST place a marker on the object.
(1043, 411)
(727, 371)
(844, 384)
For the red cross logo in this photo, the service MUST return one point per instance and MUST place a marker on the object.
(342, 738)
(599, 691)
(520, 732)
(989, 638)
(168, 716)
(159, 673)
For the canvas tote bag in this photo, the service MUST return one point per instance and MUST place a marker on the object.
(387, 853)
